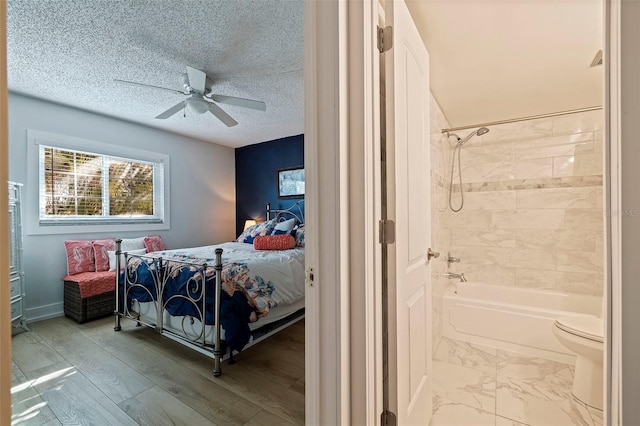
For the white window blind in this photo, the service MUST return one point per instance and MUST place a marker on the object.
(84, 187)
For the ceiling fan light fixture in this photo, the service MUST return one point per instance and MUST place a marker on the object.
(196, 86)
(198, 105)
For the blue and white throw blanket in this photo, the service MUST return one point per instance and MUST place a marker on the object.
(253, 282)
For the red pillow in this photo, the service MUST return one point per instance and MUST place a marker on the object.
(274, 242)
(100, 249)
(79, 256)
(154, 243)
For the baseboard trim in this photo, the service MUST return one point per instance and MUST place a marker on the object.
(44, 312)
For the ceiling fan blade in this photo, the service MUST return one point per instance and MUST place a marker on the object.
(241, 102)
(168, 113)
(222, 116)
(148, 85)
(197, 79)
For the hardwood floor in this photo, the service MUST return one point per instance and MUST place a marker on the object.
(87, 374)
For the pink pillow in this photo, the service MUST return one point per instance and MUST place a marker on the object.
(274, 242)
(154, 243)
(100, 249)
(79, 256)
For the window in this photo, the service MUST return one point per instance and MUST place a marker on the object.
(78, 185)
(92, 183)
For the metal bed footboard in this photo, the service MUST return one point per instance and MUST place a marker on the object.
(161, 270)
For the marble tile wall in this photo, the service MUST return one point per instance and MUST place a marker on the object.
(533, 208)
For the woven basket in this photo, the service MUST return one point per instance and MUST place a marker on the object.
(89, 308)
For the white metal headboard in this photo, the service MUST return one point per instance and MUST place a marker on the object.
(295, 211)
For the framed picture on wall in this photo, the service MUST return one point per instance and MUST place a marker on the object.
(291, 182)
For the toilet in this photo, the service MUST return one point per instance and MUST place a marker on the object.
(584, 336)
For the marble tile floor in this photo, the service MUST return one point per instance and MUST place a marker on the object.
(474, 385)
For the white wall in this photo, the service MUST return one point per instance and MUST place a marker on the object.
(202, 190)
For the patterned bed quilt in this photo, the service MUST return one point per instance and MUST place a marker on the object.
(253, 282)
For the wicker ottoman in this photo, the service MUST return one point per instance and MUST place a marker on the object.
(99, 304)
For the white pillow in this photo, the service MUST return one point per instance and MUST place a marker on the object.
(132, 244)
(112, 258)
(287, 225)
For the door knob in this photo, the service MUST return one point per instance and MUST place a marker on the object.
(432, 254)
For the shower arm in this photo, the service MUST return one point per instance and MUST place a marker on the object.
(479, 131)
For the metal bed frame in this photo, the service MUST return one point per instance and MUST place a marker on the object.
(196, 295)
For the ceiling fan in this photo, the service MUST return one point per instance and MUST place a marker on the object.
(197, 86)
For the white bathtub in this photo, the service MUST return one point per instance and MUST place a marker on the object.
(514, 319)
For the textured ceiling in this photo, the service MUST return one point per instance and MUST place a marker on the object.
(490, 59)
(71, 51)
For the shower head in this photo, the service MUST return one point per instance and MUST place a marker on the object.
(458, 149)
(481, 131)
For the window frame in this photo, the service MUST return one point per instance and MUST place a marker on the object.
(35, 224)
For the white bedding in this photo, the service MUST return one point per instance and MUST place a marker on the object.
(284, 268)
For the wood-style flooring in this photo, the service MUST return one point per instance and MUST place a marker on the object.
(87, 374)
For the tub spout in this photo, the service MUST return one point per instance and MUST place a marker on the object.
(452, 275)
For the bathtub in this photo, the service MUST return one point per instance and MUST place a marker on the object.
(513, 319)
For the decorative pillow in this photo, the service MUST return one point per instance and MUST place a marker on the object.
(100, 249)
(300, 235)
(279, 232)
(274, 242)
(263, 228)
(112, 258)
(79, 256)
(154, 243)
(286, 225)
(129, 244)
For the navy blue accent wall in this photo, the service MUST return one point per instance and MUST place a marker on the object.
(257, 176)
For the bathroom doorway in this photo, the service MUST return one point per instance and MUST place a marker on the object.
(530, 193)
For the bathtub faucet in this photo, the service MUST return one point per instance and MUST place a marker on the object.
(452, 275)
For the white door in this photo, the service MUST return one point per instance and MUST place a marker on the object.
(409, 205)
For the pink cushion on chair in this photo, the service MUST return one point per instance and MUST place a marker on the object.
(274, 242)
(93, 283)
(100, 249)
(154, 243)
(80, 256)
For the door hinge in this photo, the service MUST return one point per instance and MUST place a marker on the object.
(385, 39)
(387, 418)
(387, 229)
(309, 278)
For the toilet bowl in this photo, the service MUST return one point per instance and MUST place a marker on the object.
(584, 336)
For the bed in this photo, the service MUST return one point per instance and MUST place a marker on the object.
(223, 298)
